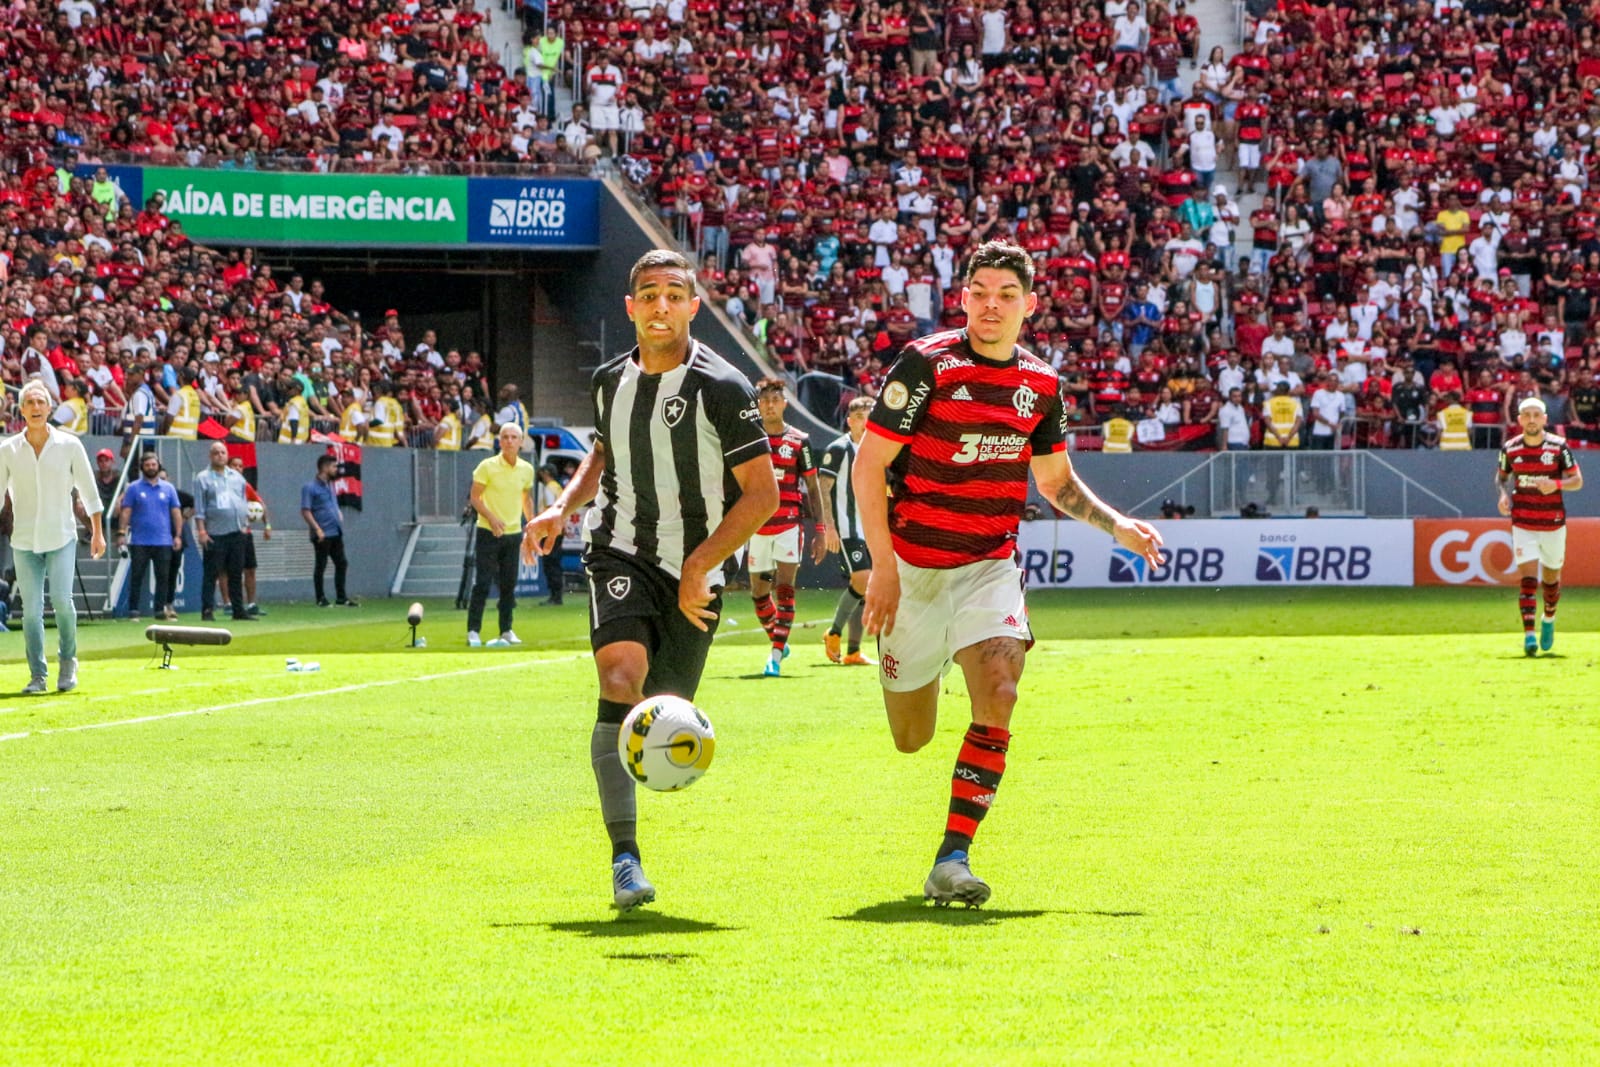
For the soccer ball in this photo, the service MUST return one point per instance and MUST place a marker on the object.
(256, 510)
(666, 743)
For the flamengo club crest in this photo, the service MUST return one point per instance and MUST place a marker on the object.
(1023, 400)
(672, 411)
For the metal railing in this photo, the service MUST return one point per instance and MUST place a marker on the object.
(1289, 481)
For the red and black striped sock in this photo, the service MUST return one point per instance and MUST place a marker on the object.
(1552, 596)
(973, 785)
(766, 613)
(785, 620)
(1525, 601)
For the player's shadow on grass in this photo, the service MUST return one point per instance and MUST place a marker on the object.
(634, 924)
(913, 909)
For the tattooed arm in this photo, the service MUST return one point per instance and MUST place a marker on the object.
(1060, 484)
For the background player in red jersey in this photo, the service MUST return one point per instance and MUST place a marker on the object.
(775, 549)
(1536, 468)
(961, 420)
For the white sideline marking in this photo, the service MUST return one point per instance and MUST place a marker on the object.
(746, 631)
(258, 701)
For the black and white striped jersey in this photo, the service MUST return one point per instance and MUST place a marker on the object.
(671, 443)
(838, 463)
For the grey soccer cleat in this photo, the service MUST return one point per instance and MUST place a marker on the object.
(630, 888)
(952, 880)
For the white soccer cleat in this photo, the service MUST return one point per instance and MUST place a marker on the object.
(952, 880)
(473, 640)
(510, 637)
(629, 887)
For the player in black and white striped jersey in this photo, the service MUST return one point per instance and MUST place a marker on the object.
(681, 476)
(838, 483)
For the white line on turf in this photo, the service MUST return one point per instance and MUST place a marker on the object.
(258, 701)
(745, 631)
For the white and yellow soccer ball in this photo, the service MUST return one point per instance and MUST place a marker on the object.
(256, 510)
(666, 743)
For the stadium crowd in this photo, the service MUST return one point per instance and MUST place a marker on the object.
(1428, 239)
(1428, 234)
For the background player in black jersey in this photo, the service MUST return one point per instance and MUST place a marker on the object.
(838, 486)
(681, 477)
(1535, 470)
(962, 419)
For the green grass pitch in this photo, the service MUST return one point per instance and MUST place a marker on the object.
(1237, 827)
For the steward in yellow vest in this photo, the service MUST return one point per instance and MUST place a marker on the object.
(481, 436)
(295, 425)
(447, 436)
(183, 411)
(1455, 423)
(72, 414)
(1116, 435)
(1284, 419)
(388, 424)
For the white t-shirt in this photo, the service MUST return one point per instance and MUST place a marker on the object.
(1129, 32)
(993, 22)
(1329, 404)
(1235, 423)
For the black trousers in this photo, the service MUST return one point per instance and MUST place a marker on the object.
(496, 562)
(140, 559)
(224, 555)
(326, 549)
(554, 578)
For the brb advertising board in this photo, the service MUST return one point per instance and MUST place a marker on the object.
(1478, 552)
(375, 210)
(1217, 552)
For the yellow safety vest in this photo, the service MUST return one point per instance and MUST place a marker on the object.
(295, 429)
(1282, 411)
(186, 423)
(349, 428)
(1454, 435)
(245, 428)
(80, 416)
(1116, 436)
(388, 423)
(450, 433)
(482, 434)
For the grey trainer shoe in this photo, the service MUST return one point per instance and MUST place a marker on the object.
(67, 675)
(37, 685)
(952, 880)
(630, 888)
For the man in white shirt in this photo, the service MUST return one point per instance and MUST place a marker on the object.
(1327, 408)
(1129, 29)
(1484, 251)
(1279, 344)
(1281, 373)
(885, 236)
(604, 85)
(385, 134)
(40, 467)
(1203, 150)
(1233, 422)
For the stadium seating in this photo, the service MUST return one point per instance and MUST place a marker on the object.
(833, 162)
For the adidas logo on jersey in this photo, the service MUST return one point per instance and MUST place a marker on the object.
(961, 393)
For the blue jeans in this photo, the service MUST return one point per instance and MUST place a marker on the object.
(32, 570)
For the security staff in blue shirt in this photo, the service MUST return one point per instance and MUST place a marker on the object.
(152, 529)
(319, 506)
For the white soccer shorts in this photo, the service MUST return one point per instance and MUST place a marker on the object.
(1549, 547)
(604, 117)
(769, 550)
(1249, 155)
(943, 611)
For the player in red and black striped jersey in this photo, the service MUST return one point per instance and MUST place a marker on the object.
(962, 419)
(776, 547)
(1536, 469)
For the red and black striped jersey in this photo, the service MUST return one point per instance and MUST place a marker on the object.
(1526, 464)
(970, 426)
(791, 461)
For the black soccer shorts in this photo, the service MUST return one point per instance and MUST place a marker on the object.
(853, 555)
(630, 600)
